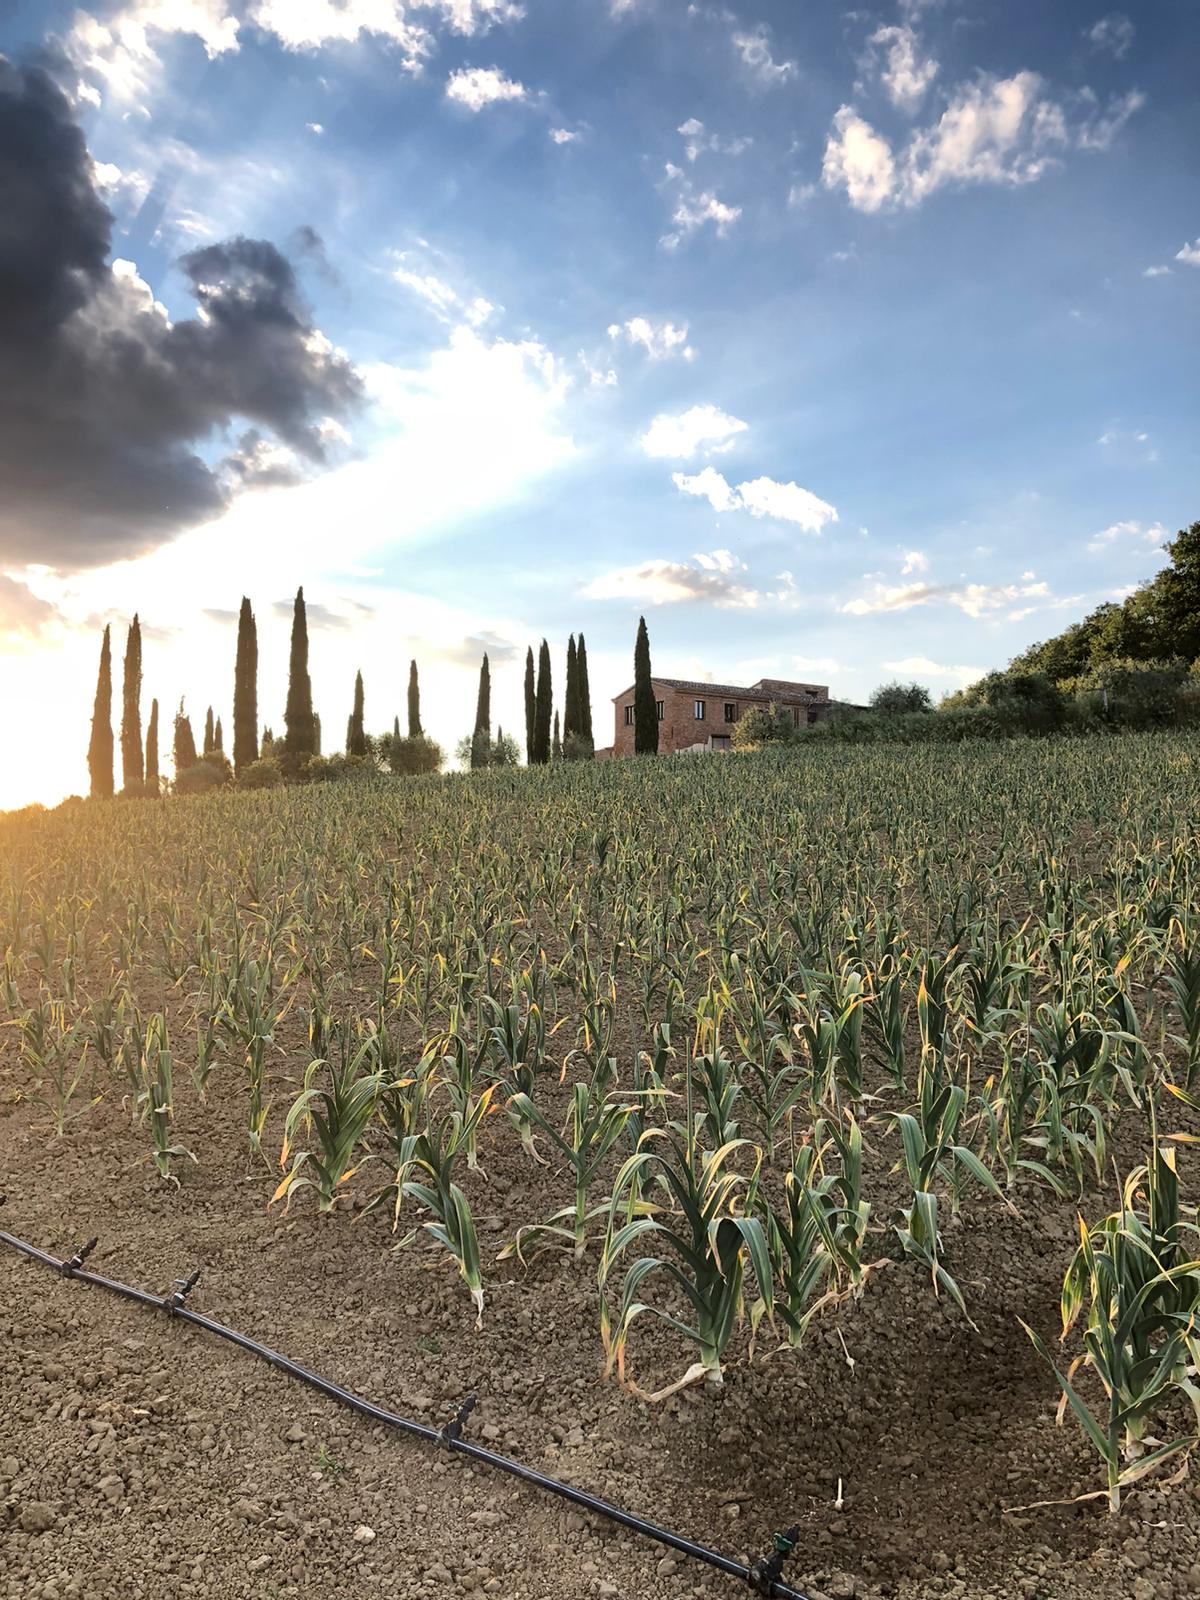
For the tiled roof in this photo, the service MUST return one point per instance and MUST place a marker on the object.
(741, 691)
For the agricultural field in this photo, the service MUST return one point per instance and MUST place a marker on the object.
(742, 1132)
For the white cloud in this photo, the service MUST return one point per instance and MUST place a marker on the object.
(476, 16)
(973, 599)
(599, 377)
(120, 53)
(761, 497)
(1152, 535)
(24, 615)
(563, 136)
(476, 87)
(1113, 34)
(786, 502)
(923, 667)
(314, 127)
(860, 159)
(1190, 254)
(444, 300)
(659, 340)
(1157, 272)
(309, 24)
(120, 50)
(709, 485)
(914, 561)
(681, 436)
(693, 210)
(994, 130)
(1099, 129)
(131, 187)
(676, 582)
(429, 288)
(1130, 446)
(906, 73)
(698, 141)
(754, 47)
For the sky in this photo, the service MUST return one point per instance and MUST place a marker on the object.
(844, 344)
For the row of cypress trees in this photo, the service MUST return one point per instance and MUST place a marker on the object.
(139, 764)
(302, 736)
(545, 739)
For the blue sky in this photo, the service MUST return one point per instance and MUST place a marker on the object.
(843, 343)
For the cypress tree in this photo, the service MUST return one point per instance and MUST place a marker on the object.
(316, 733)
(415, 730)
(544, 700)
(570, 725)
(585, 694)
(151, 778)
(556, 743)
(645, 712)
(210, 740)
(245, 691)
(132, 766)
(356, 737)
(481, 739)
(530, 706)
(396, 728)
(100, 746)
(184, 744)
(219, 738)
(301, 737)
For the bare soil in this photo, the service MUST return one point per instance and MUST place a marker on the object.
(141, 1457)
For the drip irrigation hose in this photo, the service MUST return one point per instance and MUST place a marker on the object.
(762, 1576)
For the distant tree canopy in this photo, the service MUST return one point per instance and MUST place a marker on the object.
(900, 697)
(1159, 621)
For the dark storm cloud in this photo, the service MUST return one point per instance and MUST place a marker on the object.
(103, 401)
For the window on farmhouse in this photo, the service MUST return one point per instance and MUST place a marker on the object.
(699, 710)
(660, 708)
(629, 716)
(730, 711)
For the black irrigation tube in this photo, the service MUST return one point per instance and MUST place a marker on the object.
(762, 1576)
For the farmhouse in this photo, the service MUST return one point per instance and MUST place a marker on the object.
(703, 716)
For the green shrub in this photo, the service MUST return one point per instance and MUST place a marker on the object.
(577, 748)
(1130, 694)
(212, 771)
(409, 757)
(265, 773)
(763, 725)
(339, 768)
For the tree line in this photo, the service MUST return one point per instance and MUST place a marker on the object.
(261, 760)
